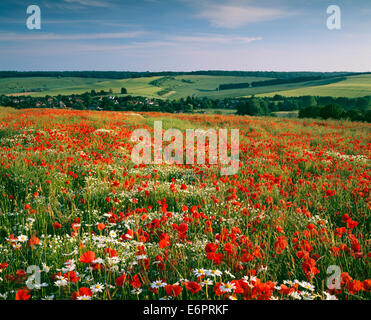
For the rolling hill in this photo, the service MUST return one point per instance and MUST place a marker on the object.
(352, 87)
(181, 86)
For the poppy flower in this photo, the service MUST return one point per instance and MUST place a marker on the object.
(192, 286)
(22, 294)
(87, 257)
(120, 280)
(173, 290)
(83, 291)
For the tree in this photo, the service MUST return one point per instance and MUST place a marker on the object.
(354, 115)
(250, 107)
(273, 107)
(264, 109)
(308, 101)
(332, 110)
(124, 91)
(362, 103)
(309, 112)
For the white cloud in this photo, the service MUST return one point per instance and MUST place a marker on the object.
(217, 39)
(91, 3)
(53, 36)
(235, 16)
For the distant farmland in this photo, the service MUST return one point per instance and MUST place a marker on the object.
(181, 86)
(352, 87)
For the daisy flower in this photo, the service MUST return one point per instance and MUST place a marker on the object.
(98, 287)
(214, 272)
(22, 238)
(61, 283)
(288, 283)
(158, 284)
(230, 274)
(306, 295)
(199, 272)
(207, 282)
(330, 296)
(307, 285)
(84, 298)
(113, 234)
(227, 287)
(295, 295)
(136, 291)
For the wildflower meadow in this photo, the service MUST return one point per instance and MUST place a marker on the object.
(80, 220)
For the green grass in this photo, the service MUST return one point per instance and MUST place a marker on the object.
(217, 111)
(286, 114)
(187, 85)
(352, 87)
(57, 167)
(201, 86)
(165, 87)
(46, 84)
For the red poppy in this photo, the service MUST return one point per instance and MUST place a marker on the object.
(22, 294)
(87, 257)
(83, 291)
(120, 280)
(192, 286)
(173, 290)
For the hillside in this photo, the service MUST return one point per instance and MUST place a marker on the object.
(352, 87)
(181, 86)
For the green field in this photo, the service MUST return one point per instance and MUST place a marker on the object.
(165, 87)
(202, 86)
(186, 85)
(44, 84)
(352, 87)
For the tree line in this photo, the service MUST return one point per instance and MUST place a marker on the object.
(355, 109)
(133, 74)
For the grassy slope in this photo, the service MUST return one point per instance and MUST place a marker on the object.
(188, 85)
(17, 85)
(195, 85)
(354, 86)
(183, 86)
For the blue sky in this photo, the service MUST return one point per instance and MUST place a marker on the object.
(185, 35)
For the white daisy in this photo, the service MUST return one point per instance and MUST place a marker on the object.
(207, 282)
(98, 287)
(306, 285)
(22, 238)
(113, 234)
(136, 291)
(84, 298)
(306, 295)
(330, 296)
(230, 274)
(61, 283)
(199, 272)
(295, 295)
(98, 261)
(227, 287)
(158, 284)
(214, 272)
(288, 283)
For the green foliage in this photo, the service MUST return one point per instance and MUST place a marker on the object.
(250, 107)
(331, 111)
(334, 111)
